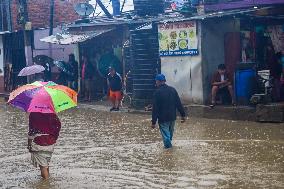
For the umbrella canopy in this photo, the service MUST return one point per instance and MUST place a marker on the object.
(62, 66)
(30, 70)
(108, 60)
(44, 97)
(42, 60)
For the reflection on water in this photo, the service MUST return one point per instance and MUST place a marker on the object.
(99, 149)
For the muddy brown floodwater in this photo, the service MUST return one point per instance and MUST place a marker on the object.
(98, 149)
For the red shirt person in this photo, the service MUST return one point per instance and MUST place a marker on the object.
(221, 80)
(44, 130)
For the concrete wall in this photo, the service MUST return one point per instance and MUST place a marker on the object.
(185, 74)
(212, 47)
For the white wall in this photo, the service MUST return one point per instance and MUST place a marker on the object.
(185, 74)
(57, 52)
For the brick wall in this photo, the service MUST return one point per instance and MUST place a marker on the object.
(39, 12)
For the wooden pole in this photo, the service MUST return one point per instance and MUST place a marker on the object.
(9, 15)
(1, 16)
(51, 17)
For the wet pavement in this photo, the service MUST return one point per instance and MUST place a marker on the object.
(98, 149)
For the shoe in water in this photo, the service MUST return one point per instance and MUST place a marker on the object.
(112, 109)
(212, 105)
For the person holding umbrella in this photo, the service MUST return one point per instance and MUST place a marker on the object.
(46, 62)
(62, 76)
(42, 100)
(34, 72)
(43, 132)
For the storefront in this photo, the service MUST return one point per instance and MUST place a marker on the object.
(237, 38)
(132, 49)
(101, 48)
(249, 42)
(180, 52)
(261, 50)
(102, 52)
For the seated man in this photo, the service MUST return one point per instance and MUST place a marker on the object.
(221, 81)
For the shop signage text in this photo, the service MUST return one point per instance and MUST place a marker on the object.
(178, 39)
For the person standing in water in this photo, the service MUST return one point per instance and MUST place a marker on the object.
(114, 82)
(87, 76)
(73, 76)
(165, 103)
(44, 130)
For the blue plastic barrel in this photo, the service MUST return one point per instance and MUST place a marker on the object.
(244, 85)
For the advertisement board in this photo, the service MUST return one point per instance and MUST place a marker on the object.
(178, 39)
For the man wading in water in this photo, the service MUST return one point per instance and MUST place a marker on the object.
(44, 130)
(166, 101)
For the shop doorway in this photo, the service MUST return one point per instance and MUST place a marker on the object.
(102, 52)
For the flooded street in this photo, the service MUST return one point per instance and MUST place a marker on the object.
(98, 149)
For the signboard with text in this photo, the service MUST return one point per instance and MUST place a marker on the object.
(178, 39)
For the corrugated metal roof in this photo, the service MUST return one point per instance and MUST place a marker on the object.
(130, 18)
(66, 39)
(127, 18)
(215, 15)
(4, 32)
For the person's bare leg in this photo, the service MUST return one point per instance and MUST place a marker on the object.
(214, 92)
(89, 96)
(230, 88)
(86, 94)
(112, 99)
(116, 103)
(44, 172)
(119, 103)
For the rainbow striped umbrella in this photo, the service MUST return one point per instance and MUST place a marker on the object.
(44, 97)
